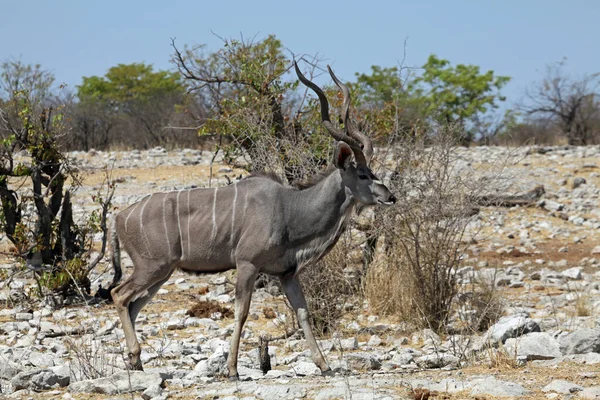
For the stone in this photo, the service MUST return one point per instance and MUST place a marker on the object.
(573, 274)
(121, 382)
(494, 387)
(592, 392)
(534, 346)
(587, 359)
(23, 316)
(38, 379)
(363, 361)
(8, 369)
(215, 365)
(152, 392)
(427, 337)
(41, 360)
(282, 392)
(448, 385)
(249, 374)
(578, 182)
(511, 326)
(343, 392)
(550, 205)
(47, 379)
(304, 368)
(562, 387)
(276, 374)
(374, 341)
(175, 323)
(346, 344)
(596, 250)
(438, 360)
(403, 358)
(581, 341)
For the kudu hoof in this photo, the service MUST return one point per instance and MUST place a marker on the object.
(328, 372)
(135, 366)
(234, 378)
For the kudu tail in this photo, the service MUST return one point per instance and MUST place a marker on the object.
(116, 262)
(116, 256)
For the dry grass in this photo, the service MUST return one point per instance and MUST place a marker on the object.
(387, 289)
(583, 305)
(183, 174)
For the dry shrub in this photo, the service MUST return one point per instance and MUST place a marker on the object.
(480, 304)
(421, 238)
(385, 286)
(90, 359)
(502, 358)
(583, 305)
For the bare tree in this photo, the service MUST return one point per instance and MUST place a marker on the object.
(570, 103)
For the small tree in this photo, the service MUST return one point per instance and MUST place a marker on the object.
(457, 96)
(441, 95)
(37, 215)
(243, 85)
(132, 97)
(385, 103)
(572, 104)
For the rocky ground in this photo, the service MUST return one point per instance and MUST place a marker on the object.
(544, 259)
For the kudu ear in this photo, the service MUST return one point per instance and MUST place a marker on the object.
(342, 156)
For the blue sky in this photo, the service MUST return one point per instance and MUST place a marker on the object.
(75, 38)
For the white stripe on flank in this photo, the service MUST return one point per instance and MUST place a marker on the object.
(214, 215)
(233, 213)
(188, 227)
(133, 210)
(179, 223)
(165, 224)
(142, 225)
(245, 206)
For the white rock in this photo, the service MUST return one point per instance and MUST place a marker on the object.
(573, 274)
(304, 368)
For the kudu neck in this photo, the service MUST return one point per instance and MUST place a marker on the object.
(326, 202)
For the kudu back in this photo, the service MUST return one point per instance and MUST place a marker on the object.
(255, 225)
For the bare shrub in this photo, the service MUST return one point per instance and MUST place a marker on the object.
(502, 358)
(479, 304)
(414, 276)
(89, 358)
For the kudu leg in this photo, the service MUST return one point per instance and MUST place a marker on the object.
(128, 310)
(246, 275)
(136, 306)
(293, 291)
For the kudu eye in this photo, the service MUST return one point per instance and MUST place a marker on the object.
(363, 176)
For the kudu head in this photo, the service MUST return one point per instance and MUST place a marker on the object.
(365, 187)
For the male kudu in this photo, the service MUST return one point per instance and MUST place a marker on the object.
(256, 225)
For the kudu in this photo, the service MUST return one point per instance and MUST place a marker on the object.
(256, 225)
